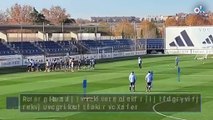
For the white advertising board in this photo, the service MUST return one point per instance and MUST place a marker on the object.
(189, 38)
(10, 60)
(39, 58)
(18, 60)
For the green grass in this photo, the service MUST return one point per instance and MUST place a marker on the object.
(112, 77)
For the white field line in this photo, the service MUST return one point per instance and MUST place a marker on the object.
(172, 117)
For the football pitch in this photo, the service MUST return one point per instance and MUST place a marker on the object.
(112, 78)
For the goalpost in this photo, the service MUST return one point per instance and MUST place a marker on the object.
(201, 56)
(204, 54)
(105, 52)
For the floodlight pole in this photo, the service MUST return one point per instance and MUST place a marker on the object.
(112, 52)
(44, 43)
(80, 32)
(21, 35)
(22, 43)
(62, 30)
(96, 29)
(110, 28)
(135, 37)
(98, 53)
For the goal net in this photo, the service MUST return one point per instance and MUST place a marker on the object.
(201, 56)
(103, 52)
(204, 54)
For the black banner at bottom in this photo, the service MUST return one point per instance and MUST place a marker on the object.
(110, 102)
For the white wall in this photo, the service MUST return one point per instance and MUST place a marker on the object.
(88, 36)
(25, 36)
(73, 35)
(42, 36)
(3, 36)
(61, 36)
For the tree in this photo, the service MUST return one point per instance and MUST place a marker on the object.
(19, 14)
(82, 21)
(56, 15)
(3, 17)
(69, 21)
(124, 29)
(148, 29)
(181, 22)
(210, 19)
(171, 21)
(37, 18)
(196, 20)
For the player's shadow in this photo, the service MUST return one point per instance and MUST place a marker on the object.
(139, 91)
